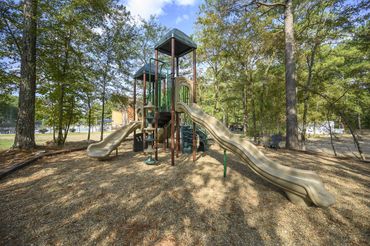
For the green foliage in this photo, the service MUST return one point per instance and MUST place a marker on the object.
(10, 49)
(8, 111)
(88, 50)
(241, 48)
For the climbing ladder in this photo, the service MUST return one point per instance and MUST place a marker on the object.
(187, 138)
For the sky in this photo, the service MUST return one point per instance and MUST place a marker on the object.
(180, 14)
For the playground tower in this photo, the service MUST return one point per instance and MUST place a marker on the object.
(159, 95)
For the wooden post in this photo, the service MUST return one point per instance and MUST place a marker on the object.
(156, 105)
(144, 103)
(173, 101)
(194, 101)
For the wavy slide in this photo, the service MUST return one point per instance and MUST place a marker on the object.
(102, 149)
(301, 186)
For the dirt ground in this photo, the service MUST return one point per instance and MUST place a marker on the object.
(74, 200)
(343, 145)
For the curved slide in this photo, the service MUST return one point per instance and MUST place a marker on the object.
(301, 186)
(102, 149)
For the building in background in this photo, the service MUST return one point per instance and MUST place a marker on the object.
(122, 117)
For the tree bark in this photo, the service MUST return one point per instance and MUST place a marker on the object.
(105, 75)
(60, 115)
(355, 140)
(89, 117)
(25, 130)
(70, 114)
(245, 110)
(254, 116)
(54, 138)
(60, 139)
(331, 134)
(306, 92)
(102, 112)
(290, 80)
(359, 122)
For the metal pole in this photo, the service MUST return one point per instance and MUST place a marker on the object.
(225, 166)
(173, 101)
(156, 104)
(194, 101)
(134, 108)
(143, 113)
(134, 100)
(177, 66)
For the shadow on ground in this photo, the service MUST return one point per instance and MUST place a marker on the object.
(72, 199)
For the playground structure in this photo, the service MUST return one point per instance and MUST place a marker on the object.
(167, 96)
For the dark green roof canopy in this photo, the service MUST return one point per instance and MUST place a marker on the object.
(148, 70)
(183, 43)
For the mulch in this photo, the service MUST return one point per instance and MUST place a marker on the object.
(14, 159)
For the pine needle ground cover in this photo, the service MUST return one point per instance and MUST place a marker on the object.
(72, 199)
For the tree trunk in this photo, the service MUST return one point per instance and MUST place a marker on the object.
(263, 98)
(60, 140)
(70, 114)
(262, 111)
(60, 115)
(105, 75)
(89, 117)
(359, 121)
(331, 134)
(225, 116)
(102, 111)
(245, 111)
(54, 138)
(306, 92)
(25, 129)
(355, 140)
(290, 80)
(254, 117)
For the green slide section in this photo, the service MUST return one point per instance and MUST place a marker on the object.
(301, 186)
(102, 149)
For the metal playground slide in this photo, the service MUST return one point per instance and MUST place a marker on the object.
(301, 186)
(102, 149)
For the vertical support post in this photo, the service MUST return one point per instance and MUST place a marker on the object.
(117, 151)
(134, 108)
(194, 101)
(177, 66)
(156, 105)
(144, 103)
(173, 101)
(225, 164)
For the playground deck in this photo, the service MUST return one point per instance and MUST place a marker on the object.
(73, 199)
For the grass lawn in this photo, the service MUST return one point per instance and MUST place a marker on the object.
(5, 143)
(7, 140)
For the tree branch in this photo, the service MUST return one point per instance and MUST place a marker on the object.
(270, 4)
(10, 31)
